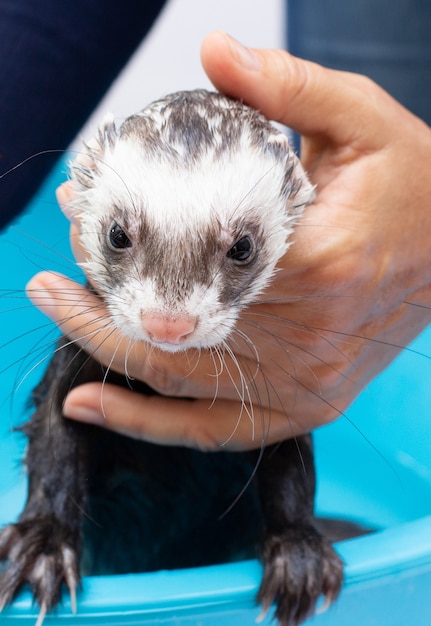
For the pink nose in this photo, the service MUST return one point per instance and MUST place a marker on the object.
(168, 330)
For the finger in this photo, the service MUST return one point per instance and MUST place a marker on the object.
(84, 318)
(303, 95)
(79, 313)
(65, 196)
(167, 421)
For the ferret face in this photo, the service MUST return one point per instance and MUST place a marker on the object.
(185, 211)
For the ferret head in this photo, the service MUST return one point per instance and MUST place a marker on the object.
(185, 210)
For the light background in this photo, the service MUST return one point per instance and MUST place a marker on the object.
(168, 59)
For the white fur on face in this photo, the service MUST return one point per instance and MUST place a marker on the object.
(212, 328)
(193, 213)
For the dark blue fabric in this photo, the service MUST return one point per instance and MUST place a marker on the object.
(388, 40)
(57, 61)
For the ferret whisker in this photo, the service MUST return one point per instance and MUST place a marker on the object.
(217, 349)
(84, 153)
(22, 365)
(301, 223)
(253, 376)
(46, 357)
(343, 334)
(29, 306)
(44, 348)
(419, 305)
(243, 394)
(67, 294)
(89, 355)
(213, 352)
(284, 322)
(106, 374)
(20, 379)
(40, 347)
(151, 351)
(294, 375)
(195, 353)
(220, 350)
(265, 430)
(103, 162)
(340, 413)
(295, 378)
(129, 378)
(252, 188)
(251, 346)
(30, 158)
(245, 381)
(22, 294)
(80, 336)
(26, 333)
(134, 265)
(283, 342)
(30, 255)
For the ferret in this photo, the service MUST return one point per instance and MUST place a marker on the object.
(185, 210)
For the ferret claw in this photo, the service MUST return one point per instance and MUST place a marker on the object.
(42, 614)
(72, 591)
(259, 619)
(69, 563)
(37, 554)
(299, 567)
(3, 603)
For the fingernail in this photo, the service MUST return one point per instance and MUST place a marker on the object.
(245, 56)
(83, 413)
(40, 296)
(65, 196)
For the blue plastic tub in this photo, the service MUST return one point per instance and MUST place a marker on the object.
(374, 467)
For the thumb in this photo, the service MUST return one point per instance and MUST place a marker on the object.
(311, 99)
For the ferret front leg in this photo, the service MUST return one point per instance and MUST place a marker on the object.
(43, 547)
(299, 565)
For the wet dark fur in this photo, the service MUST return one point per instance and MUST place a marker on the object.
(118, 478)
(121, 505)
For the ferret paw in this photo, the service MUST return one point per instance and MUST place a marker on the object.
(36, 553)
(299, 566)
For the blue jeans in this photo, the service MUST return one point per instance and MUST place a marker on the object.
(388, 40)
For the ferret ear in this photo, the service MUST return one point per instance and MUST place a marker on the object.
(85, 167)
(296, 187)
(107, 133)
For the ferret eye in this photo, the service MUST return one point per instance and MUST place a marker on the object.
(242, 250)
(118, 238)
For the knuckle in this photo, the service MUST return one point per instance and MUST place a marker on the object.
(197, 436)
(294, 78)
(165, 382)
(366, 84)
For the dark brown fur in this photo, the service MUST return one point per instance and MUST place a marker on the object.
(65, 459)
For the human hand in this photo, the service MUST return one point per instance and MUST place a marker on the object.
(352, 290)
